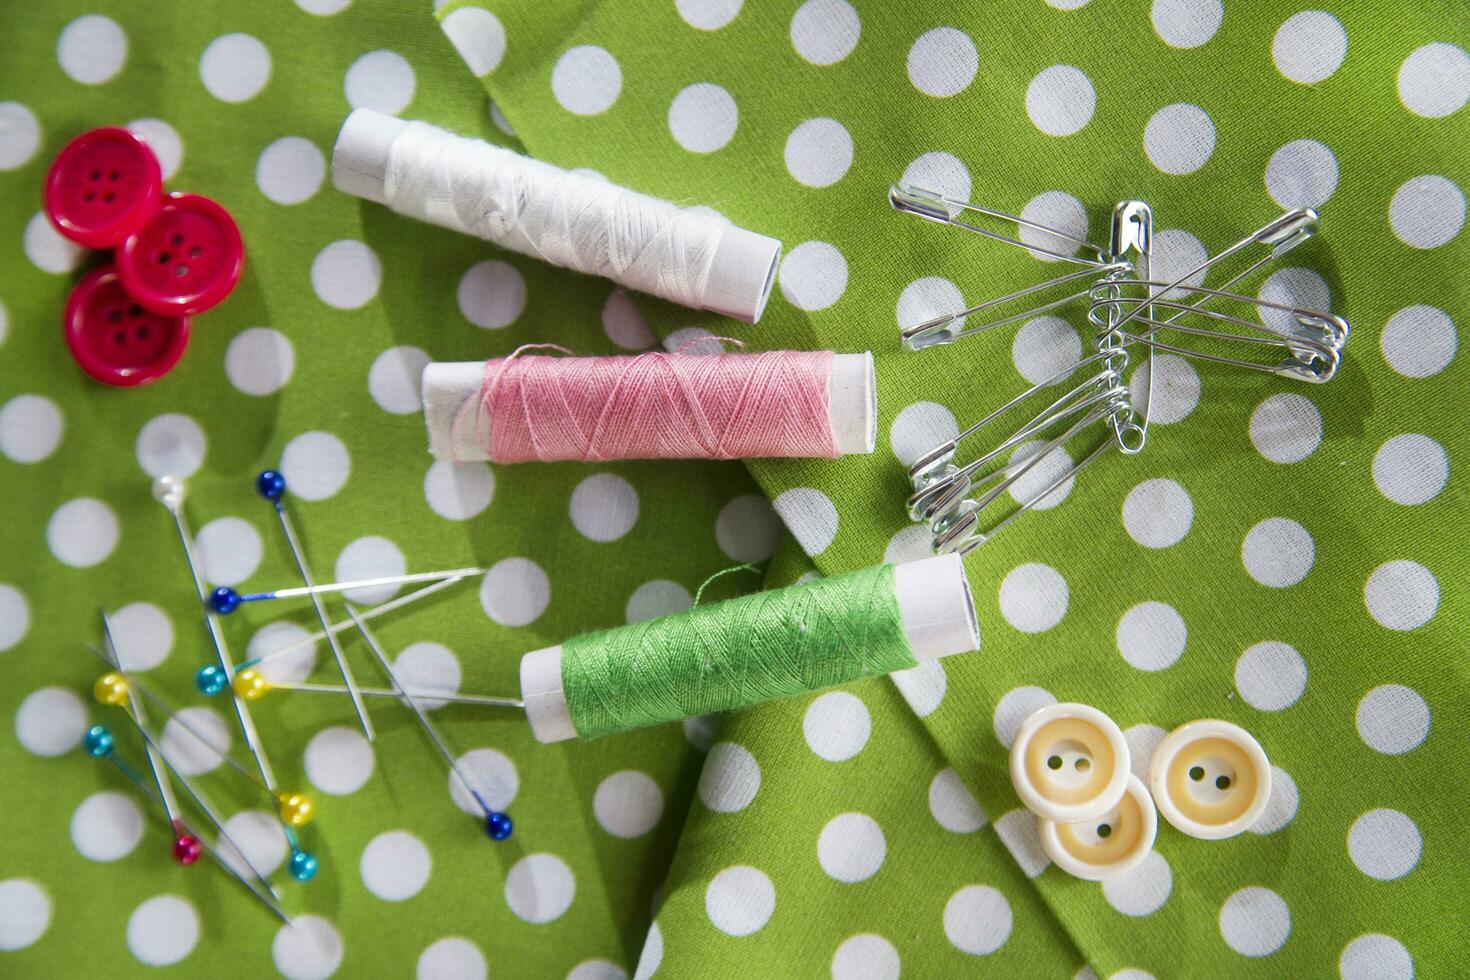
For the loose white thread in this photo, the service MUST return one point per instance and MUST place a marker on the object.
(567, 219)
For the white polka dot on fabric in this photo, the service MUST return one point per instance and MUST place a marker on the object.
(1292, 287)
(1410, 469)
(366, 558)
(478, 36)
(4, 322)
(47, 250)
(1434, 80)
(1151, 636)
(1170, 388)
(952, 805)
(1427, 211)
(395, 379)
(818, 152)
(703, 117)
(235, 67)
(346, 275)
(1142, 740)
(1060, 100)
(338, 760)
(1286, 428)
(1015, 707)
(290, 170)
(708, 15)
(1419, 341)
(813, 276)
(824, 32)
(653, 954)
(193, 741)
(1384, 844)
(1179, 138)
(1186, 23)
(30, 428)
(1392, 719)
(927, 299)
(730, 779)
(693, 340)
(943, 62)
(586, 80)
(539, 888)
(427, 668)
(315, 465)
(290, 667)
(379, 80)
(15, 616)
(92, 49)
(494, 777)
(1401, 595)
(740, 900)
(491, 294)
(977, 920)
(1044, 473)
(811, 517)
(1142, 890)
(20, 135)
(515, 592)
(1158, 513)
(866, 956)
(1277, 552)
(1017, 831)
(628, 804)
(1176, 252)
(1302, 174)
(1044, 347)
(747, 529)
(25, 913)
(910, 544)
(604, 507)
(164, 141)
(106, 826)
(143, 634)
(395, 866)
(1281, 806)
(1374, 956)
(82, 532)
(659, 597)
(163, 930)
(922, 686)
(170, 445)
(323, 8)
(1309, 46)
(1033, 597)
(259, 835)
(307, 949)
(458, 491)
(451, 958)
(851, 847)
(941, 172)
(498, 118)
(1255, 921)
(919, 428)
(836, 726)
(259, 361)
(624, 324)
(1270, 676)
(1053, 209)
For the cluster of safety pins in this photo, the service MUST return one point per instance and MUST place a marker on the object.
(247, 682)
(1125, 306)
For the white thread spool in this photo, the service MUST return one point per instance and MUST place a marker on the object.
(567, 219)
(449, 388)
(935, 611)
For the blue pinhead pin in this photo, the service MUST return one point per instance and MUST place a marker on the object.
(498, 825)
(303, 866)
(210, 680)
(270, 484)
(224, 600)
(98, 741)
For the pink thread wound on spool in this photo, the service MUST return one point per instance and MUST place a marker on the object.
(656, 406)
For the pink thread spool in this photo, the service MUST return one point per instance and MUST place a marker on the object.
(528, 407)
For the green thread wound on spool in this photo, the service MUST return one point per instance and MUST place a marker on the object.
(735, 653)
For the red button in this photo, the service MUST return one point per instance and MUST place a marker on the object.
(116, 340)
(102, 187)
(186, 259)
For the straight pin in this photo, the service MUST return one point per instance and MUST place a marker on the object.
(253, 685)
(225, 600)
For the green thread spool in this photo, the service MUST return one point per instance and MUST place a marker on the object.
(755, 648)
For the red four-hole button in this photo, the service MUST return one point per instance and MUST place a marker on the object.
(186, 259)
(115, 339)
(103, 186)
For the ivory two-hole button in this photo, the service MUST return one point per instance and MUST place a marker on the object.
(1107, 845)
(1210, 779)
(1069, 763)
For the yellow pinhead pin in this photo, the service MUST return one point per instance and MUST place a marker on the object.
(296, 809)
(251, 685)
(111, 688)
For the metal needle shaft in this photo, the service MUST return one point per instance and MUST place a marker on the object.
(367, 583)
(378, 692)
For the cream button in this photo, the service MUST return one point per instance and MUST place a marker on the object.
(1107, 845)
(1069, 763)
(1210, 779)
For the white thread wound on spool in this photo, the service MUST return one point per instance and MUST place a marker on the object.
(568, 219)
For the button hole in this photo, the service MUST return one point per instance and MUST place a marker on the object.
(1197, 773)
(107, 198)
(135, 310)
(88, 196)
(176, 240)
(114, 315)
(95, 175)
(112, 175)
(195, 252)
(163, 258)
(119, 338)
(141, 332)
(180, 271)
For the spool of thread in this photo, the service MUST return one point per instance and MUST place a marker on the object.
(744, 651)
(528, 408)
(572, 220)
